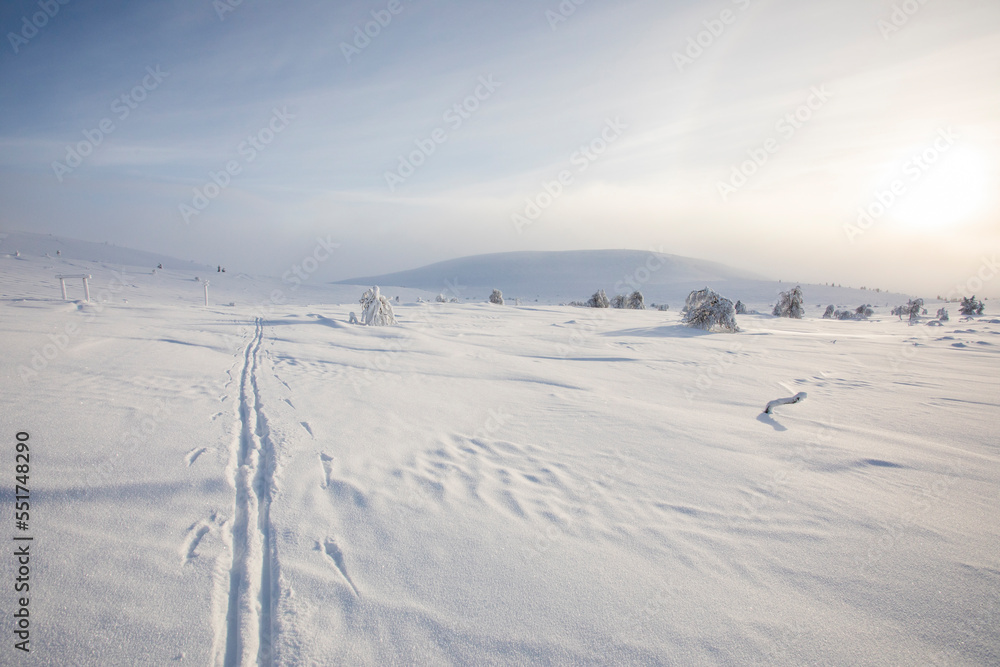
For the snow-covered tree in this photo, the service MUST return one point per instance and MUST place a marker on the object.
(971, 307)
(912, 310)
(789, 304)
(497, 297)
(828, 313)
(741, 308)
(636, 302)
(376, 310)
(441, 299)
(942, 314)
(864, 312)
(599, 300)
(619, 301)
(709, 310)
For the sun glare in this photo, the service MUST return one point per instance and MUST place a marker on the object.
(944, 189)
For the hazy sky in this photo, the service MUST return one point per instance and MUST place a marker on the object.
(749, 132)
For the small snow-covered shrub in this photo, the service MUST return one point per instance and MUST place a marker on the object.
(740, 307)
(619, 301)
(663, 306)
(864, 312)
(599, 300)
(912, 310)
(942, 314)
(635, 301)
(828, 313)
(440, 299)
(709, 310)
(971, 307)
(789, 304)
(454, 299)
(497, 297)
(376, 311)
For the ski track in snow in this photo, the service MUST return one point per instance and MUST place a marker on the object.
(248, 635)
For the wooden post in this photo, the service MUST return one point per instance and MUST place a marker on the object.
(86, 285)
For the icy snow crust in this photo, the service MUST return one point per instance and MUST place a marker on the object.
(264, 483)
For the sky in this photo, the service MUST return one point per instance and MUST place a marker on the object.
(855, 142)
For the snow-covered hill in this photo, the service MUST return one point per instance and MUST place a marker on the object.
(573, 275)
(42, 245)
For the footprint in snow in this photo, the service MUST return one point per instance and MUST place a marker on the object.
(196, 533)
(193, 455)
(330, 548)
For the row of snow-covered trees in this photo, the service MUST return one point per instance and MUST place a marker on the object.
(862, 312)
(706, 309)
(703, 309)
(634, 301)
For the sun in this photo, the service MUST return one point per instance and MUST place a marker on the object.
(944, 189)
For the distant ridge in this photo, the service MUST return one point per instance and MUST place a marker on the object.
(31, 244)
(568, 274)
(574, 275)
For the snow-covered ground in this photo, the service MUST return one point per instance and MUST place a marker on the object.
(263, 483)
